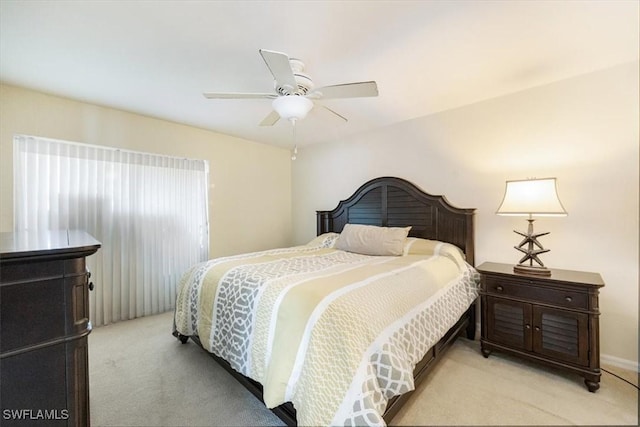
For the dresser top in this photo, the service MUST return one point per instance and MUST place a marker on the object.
(23, 244)
(571, 276)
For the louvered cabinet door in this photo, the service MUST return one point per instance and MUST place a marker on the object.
(509, 323)
(561, 334)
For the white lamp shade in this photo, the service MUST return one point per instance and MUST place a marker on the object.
(292, 106)
(531, 197)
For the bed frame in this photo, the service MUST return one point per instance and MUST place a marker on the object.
(392, 202)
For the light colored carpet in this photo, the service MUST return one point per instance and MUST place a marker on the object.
(140, 375)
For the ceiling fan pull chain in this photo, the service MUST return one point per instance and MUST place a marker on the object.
(294, 154)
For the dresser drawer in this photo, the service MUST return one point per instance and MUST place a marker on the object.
(527, 289)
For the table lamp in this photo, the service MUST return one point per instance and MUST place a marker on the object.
(531, 197)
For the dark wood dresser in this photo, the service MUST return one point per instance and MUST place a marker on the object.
(551, 319)
(44, 324)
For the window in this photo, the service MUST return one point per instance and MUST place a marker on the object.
(150, 213)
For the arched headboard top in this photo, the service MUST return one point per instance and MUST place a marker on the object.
(395, 202)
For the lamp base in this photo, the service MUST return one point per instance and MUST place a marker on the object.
(528, 248)
(530, 269)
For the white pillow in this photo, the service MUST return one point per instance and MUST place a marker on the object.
(372, 240)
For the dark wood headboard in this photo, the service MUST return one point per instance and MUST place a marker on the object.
(395, 202)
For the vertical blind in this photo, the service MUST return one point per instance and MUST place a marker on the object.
(148, 211)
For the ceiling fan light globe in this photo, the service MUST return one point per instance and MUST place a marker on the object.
(292, 107)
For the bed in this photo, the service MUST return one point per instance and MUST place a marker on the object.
(341, 330)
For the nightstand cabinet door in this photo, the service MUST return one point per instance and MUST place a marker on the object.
(509, 323)
(561, 334)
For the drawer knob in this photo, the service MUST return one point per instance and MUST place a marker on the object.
(568, 299)
(499, 288)
(538, 328)
(527, 326)
(91, 286)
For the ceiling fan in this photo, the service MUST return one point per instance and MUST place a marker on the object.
(294, 90)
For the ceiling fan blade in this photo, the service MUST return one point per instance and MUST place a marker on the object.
(331, 111)
(279, 65)
(211, 95)
(349, 90)
(271, 119)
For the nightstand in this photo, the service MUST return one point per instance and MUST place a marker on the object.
(549, 319)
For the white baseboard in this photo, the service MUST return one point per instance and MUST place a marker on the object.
(620, 363)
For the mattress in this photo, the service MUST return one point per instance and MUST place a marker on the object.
(334, 332)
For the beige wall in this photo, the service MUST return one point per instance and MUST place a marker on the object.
(583, 130)
(250, 183)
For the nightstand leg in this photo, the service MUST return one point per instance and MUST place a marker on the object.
(485, 352)
(592, 385)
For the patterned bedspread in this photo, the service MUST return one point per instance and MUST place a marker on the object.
(335, 333)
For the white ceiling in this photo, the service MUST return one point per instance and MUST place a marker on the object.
(157, 57)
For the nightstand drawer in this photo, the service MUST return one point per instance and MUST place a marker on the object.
(527, 289)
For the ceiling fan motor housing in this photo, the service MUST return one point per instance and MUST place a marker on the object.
(303, 81)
